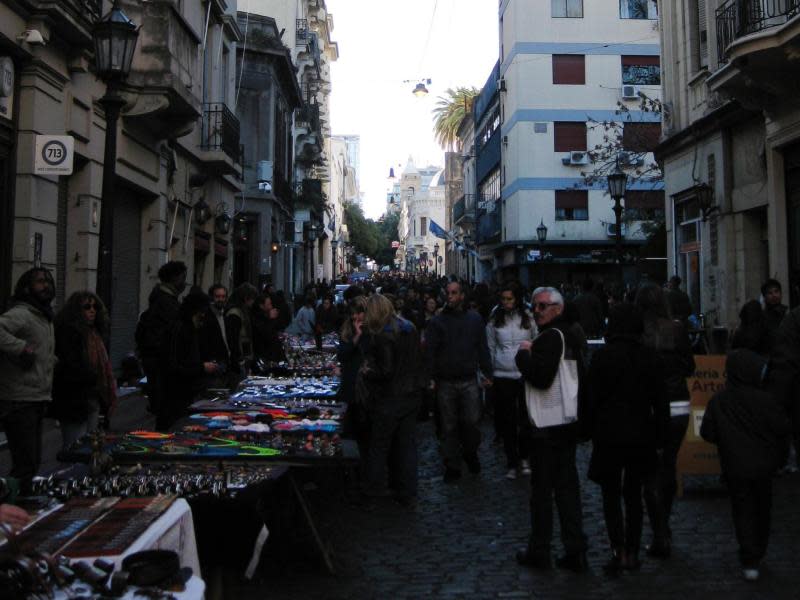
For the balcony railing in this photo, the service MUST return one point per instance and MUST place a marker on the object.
(92, 9)
(488, 226)
(738, 18)
(301, 29)
(220, 130)
(464, 208)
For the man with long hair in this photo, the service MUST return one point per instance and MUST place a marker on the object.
(27, 358)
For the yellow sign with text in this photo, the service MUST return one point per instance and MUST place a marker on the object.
(696, 456)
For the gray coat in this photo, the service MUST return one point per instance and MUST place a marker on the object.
(504, 343)
(20, 326)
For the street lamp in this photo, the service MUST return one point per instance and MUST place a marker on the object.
(334, 248)
(617, 183)
(115, 37)
(436, 258)
(541, 234)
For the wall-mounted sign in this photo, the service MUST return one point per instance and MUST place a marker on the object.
(54, 155)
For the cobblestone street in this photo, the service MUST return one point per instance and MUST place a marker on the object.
(461, 539)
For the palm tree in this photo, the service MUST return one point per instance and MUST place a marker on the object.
(449, 112)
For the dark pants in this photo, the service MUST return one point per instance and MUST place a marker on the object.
(659, 492)
(396, 431)
(22, 422)
(152, 370)
(623, 533)
(555, 475)
(459, 403)
(751, 504)
(515, 428)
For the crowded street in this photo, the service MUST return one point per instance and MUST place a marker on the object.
(366, 299)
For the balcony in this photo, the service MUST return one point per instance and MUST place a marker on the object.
(756, 43)
(464, 210)
(166, 70)
(219, 139)
(72, 20)
(301, 32)
(488, 226)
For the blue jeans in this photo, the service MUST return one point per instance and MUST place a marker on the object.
(459, 403)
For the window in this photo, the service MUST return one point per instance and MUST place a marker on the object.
(701, 46)
(641, 70)
(572, 205)
(641, 137)
(569, 69)
(423, 225)
(567, 8)
(569, 136)
(489, 191)
(638, 9)
(486, 132)
(644, 205)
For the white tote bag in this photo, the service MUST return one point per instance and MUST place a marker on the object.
(558, 404)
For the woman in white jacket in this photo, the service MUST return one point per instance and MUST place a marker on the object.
(510, 324)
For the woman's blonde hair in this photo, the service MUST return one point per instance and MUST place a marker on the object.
(380, 311)
(356, 305)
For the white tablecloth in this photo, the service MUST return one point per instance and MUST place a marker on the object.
(195, 590)
(174, 530)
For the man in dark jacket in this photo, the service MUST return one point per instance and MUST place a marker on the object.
(590, 310)
(213, 340)
(680, 306)
(161, 315)
(455, 348)
(774, 309)
(553, 448)
(748, 427)
(784, 373)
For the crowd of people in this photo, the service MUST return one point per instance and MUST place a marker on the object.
(413, 348)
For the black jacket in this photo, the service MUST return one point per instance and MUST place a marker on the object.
(455, 345)
(183, 372)
(590, 311)
(784, 374)
(625, 401)
(74, 379)
(393, 367)
(671, 342)
(162, 314)
(748, 426)
(212, 342)
(266, 343)
(539, 367)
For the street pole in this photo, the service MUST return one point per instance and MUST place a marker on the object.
(112, 102)
(618, 237)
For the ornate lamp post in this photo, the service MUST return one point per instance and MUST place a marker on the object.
(334, 248)
(115, 37)
(541, 234)
(436, 259)
(617, 184)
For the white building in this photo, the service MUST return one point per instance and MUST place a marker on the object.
(422, 201)
(564, 67)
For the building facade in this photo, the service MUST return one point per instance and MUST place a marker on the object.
(566, 67)
(178, 143)
(731, 152)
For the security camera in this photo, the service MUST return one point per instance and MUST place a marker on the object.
(32, 36)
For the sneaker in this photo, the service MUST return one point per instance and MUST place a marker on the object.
(525, 468)
(451, 475)
(473, 463)
(511, 473)
(751, 574)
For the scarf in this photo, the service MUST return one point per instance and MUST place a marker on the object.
(106, 383)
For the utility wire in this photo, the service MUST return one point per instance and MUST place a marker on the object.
(428, 38)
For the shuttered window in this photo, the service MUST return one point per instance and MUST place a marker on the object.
(645, 205)
(569, 69)
(572, 205)
(702, 29)
(641, 137)
(569, 136)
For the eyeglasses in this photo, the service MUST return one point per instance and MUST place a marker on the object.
(89, 306)
(541, 306)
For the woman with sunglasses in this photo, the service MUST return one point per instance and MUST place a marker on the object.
(84, 387)
(509, 325)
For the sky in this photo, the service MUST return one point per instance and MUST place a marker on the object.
(384, 42)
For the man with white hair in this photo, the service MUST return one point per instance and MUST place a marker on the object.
(553, 448)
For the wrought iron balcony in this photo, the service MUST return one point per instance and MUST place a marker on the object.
(739, 18)
(488, 226)
(72, 19)
(464, 209)
(220, 131)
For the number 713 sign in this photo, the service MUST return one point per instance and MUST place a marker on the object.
(54, 154)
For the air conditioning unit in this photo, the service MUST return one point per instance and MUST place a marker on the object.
(501, 84)
(611, 230)
(576, 157)
(630, 92)
(264, 171)
(505, 140)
